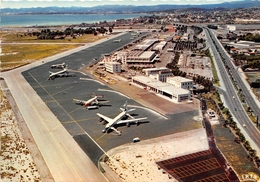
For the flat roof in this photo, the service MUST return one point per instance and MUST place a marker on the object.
(160, 85)
(145, 44)
(147, 54)
(155, 69)
(179, 79)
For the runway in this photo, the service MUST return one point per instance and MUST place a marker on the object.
(83, 124)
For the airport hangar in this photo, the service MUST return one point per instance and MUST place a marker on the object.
(83, 124)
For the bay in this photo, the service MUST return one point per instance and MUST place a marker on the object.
(60, 19)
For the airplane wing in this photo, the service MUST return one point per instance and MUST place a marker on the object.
(117, 131)
(131, 120)
(109, 120)
(102, 102)
(79, 101)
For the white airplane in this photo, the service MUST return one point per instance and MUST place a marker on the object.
(62, 65)
(119, 40)
(62, 73)
(118, 119)
(92, 103)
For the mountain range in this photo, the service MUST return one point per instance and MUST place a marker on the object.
(128, 9)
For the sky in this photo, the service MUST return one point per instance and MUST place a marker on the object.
(91, 3)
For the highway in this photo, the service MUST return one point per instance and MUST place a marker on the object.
(228, 91)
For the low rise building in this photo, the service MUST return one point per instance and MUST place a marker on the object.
(160, 46)
(164, 89)
(159, 74)
(150, 71)
(145, 45)
(113, 67)
(180, 82)
(141, 57)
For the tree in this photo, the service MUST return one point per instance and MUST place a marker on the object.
(110, 30)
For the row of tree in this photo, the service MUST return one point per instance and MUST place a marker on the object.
(47, 34)
(227, 117)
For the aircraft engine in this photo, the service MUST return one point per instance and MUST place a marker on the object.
(128, 124)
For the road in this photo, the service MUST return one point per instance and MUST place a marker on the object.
(230, 95)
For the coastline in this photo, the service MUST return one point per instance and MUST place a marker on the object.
(59, 20)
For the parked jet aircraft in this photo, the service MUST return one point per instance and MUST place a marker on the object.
(118, 119)
(119, 40)
(62, 73)
(62, 65)
(92, 103)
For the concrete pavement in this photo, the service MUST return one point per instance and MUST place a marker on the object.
(64, 158)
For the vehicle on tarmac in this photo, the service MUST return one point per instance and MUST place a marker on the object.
(136, 139)
(118, 40)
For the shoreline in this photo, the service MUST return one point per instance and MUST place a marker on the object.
(67, 19)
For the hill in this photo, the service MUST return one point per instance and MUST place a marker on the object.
(104, 9)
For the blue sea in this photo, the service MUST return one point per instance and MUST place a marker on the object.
(59, 19)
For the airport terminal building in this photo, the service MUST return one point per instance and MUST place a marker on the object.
(160, 74)
(164, 89)
(180, 82)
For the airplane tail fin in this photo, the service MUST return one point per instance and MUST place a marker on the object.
(96, 95)
(126, 108)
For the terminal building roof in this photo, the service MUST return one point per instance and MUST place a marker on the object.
(160, 85)
(145, 44)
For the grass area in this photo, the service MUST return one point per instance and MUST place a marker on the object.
(235, 153)
(214, 71)
(251, 78)
(14, 37)
(16, 55)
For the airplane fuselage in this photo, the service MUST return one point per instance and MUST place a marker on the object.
(115, 120)
(57, 74)
(62, 65)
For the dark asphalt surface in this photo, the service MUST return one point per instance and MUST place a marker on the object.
(83, 124)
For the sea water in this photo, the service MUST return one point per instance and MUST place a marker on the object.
(60, 19)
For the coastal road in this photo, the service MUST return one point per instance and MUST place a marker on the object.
(230, 95)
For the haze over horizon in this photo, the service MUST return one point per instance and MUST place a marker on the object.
(91, 3)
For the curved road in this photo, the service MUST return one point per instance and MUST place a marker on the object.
(229, 93)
